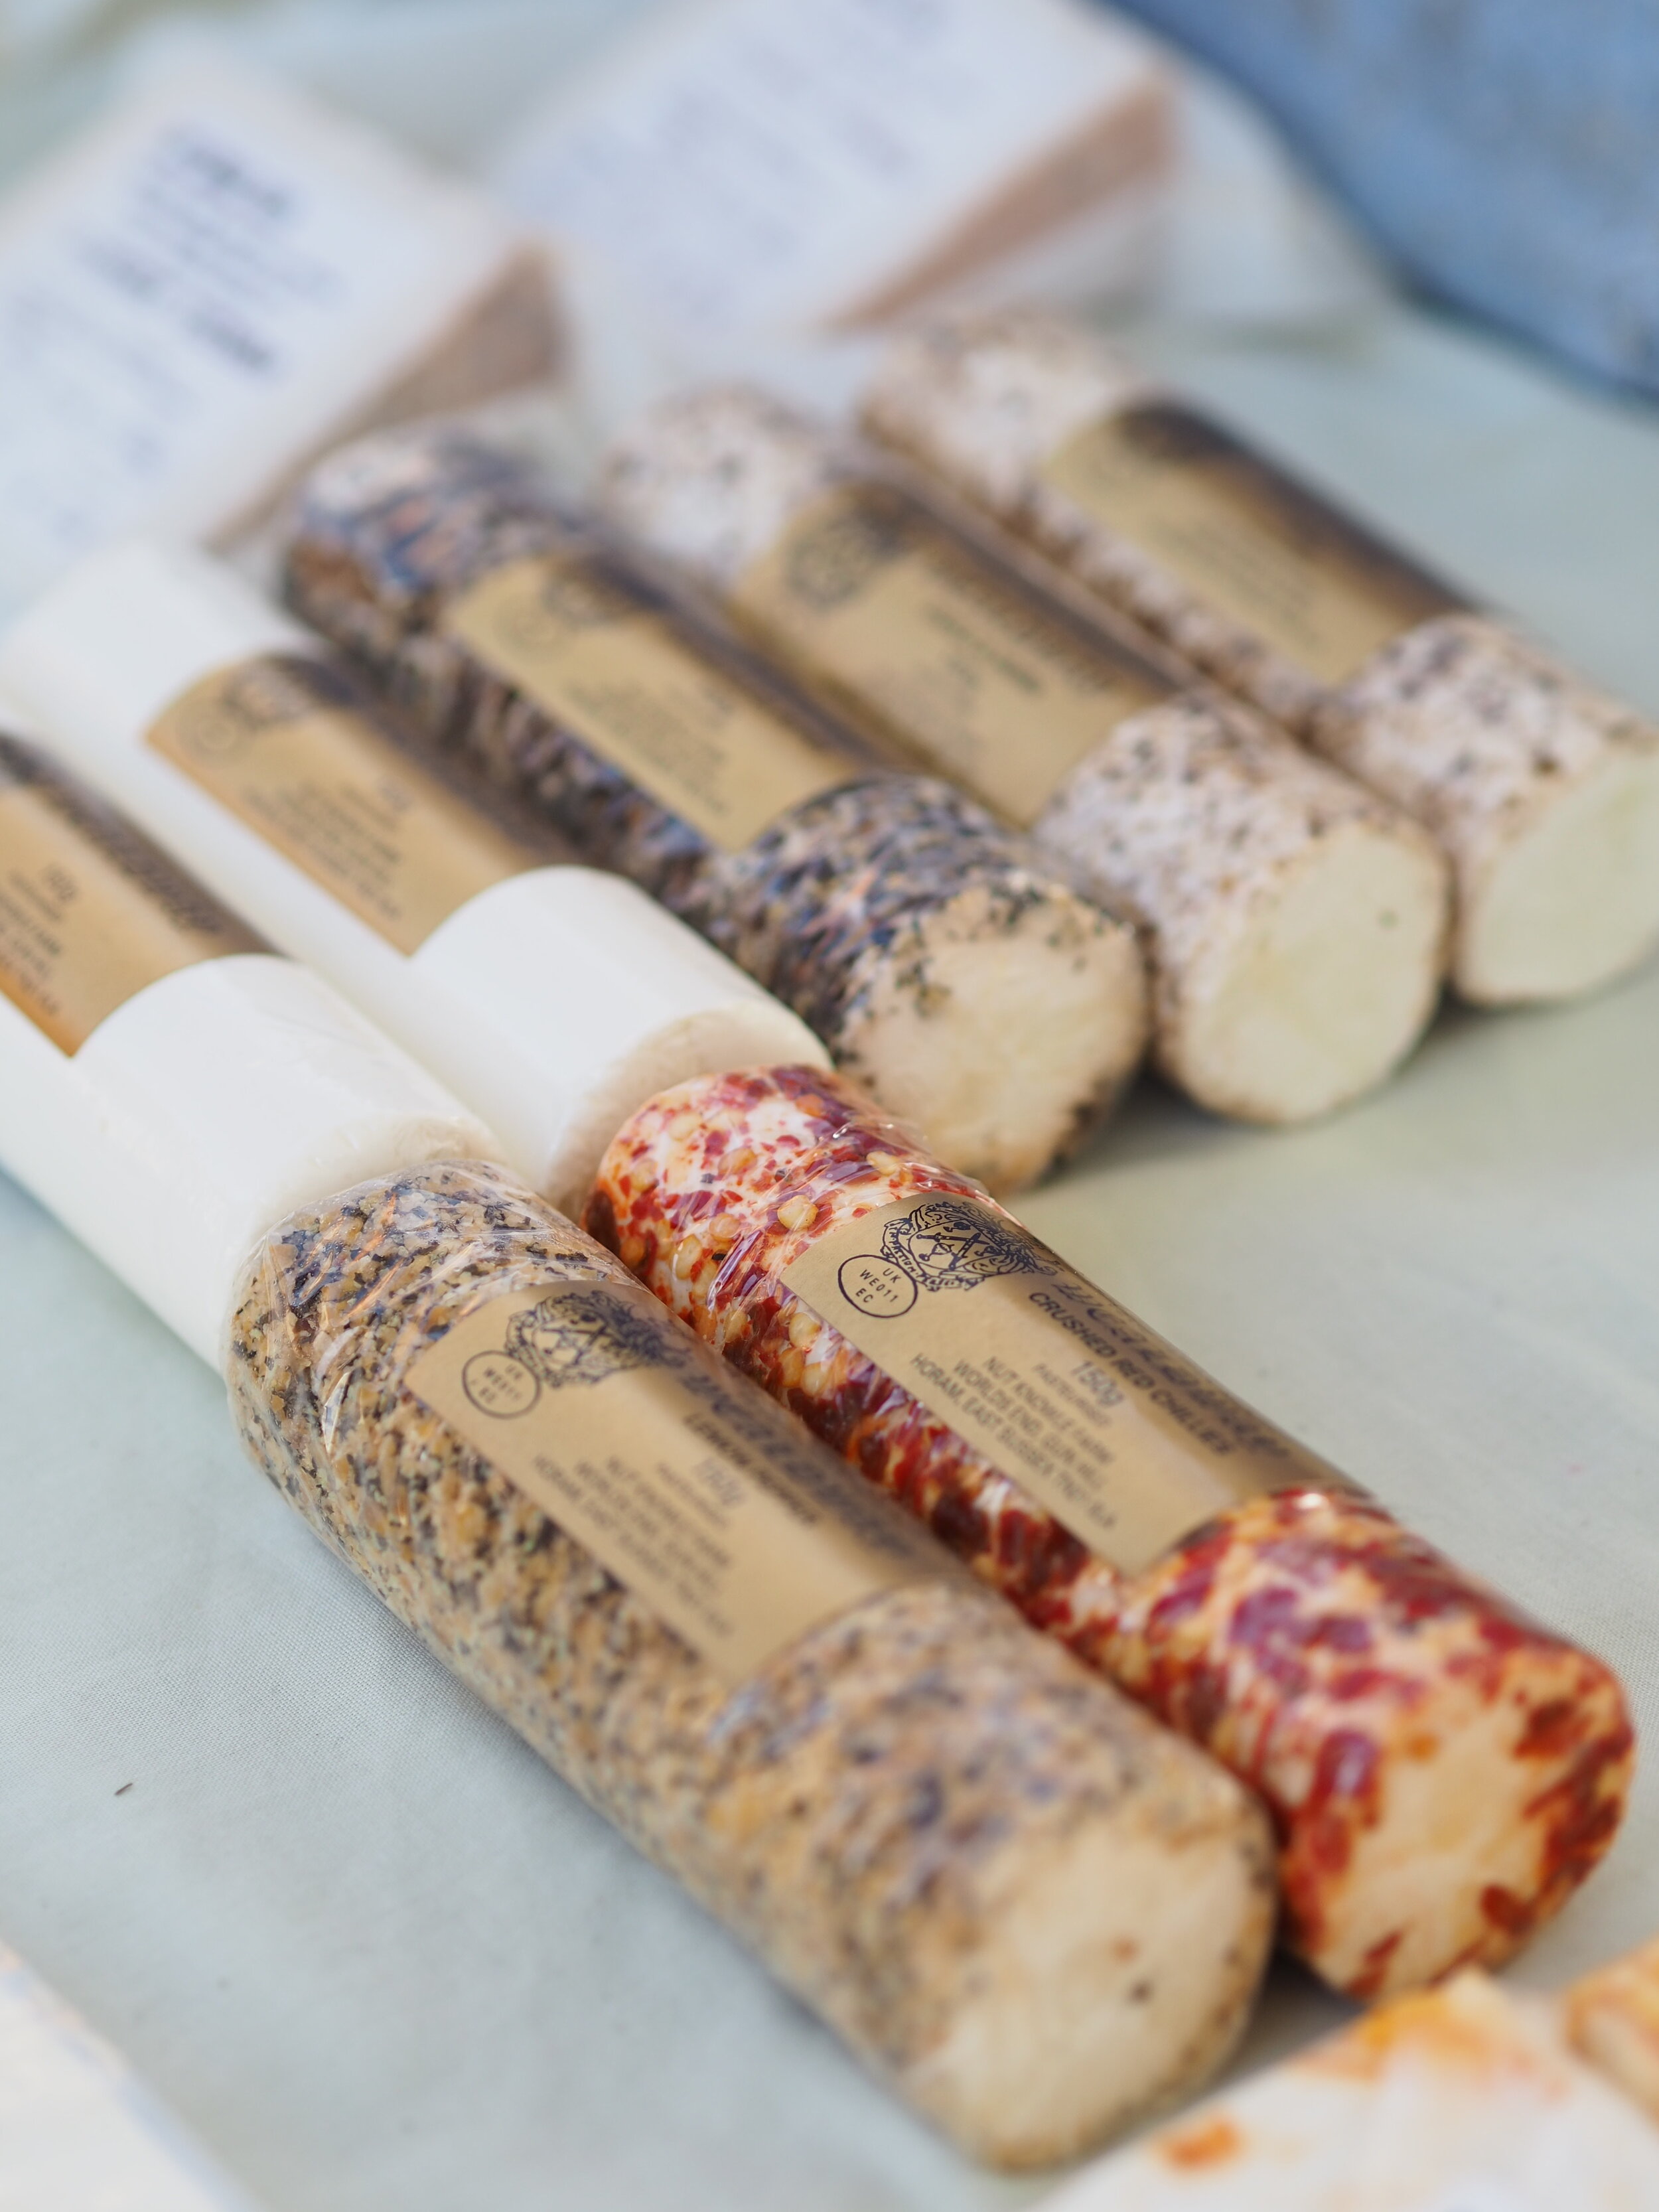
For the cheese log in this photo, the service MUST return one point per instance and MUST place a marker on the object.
(1456, 2100)
(1542, 792)
(1295, 926)
(1612, 2019)
(1026, 1907)
(940, 960)
(1442, 1771)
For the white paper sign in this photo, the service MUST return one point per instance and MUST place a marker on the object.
(195, 296)
(748, 165)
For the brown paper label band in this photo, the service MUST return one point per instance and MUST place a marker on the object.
(1251, 543)
(90, 911)
(740, 1536)
(287, 746)
(1118, 1434)
(615, 676)
(922, 643)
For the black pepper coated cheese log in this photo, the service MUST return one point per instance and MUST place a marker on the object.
(1541, 790)
(934, 952)
(1027, 1907)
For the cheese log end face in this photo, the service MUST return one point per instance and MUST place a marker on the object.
(1443, 1773)
(983, 1868)
(1325, 988)
(1081, 2014)
(1004, 1029)
(1296, 927)
(1544, 792)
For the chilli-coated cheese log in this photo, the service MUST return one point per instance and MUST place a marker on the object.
(1542, 792)
(939, 957)
(1295, 926)
(1442, 1771)
(1023, 1905)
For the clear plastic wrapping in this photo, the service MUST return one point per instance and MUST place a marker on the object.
(1017, 1898)
(1442, 1771)
(902, 923)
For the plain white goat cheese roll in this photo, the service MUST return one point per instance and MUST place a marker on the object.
(553, 998)
(938, 954)
(1295, 925)
(1542, 791)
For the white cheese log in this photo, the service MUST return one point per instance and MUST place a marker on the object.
(1296, 927)
(1542, 791)
(218, 280)
(203, 1107)
(555, 1000)
(1463, 2099)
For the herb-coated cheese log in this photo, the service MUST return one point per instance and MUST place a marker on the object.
(1026, 1906)
(939, 957)
(1295, 925)
(1542, 791)
(1442, 1771)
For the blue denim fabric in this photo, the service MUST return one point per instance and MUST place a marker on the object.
(1505, 152)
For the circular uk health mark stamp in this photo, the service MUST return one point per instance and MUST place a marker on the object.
(500, 1385)
(876, 1286)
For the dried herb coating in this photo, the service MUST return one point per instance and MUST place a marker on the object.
(892, 913)
(1294, 926)
(1442, 1771)
(940, 1831)
(1542, 791)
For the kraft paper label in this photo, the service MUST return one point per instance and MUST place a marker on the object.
(1128, 1444)
(1259, 548)
(739, 1533)
(90, 911)
(615, 675)
(919, 641)
(290, 749)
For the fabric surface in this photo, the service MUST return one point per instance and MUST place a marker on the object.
(1503, 150)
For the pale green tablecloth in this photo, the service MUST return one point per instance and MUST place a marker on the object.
(377, 1956)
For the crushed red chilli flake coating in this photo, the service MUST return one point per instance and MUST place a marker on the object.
(1443, 1772)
